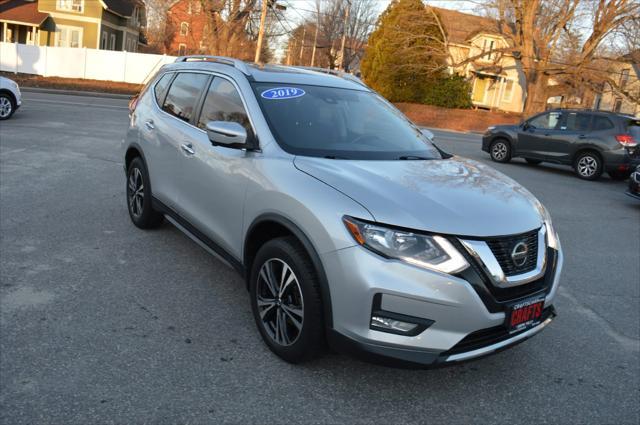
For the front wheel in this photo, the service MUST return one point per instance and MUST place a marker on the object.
(588, 166)
(500, 151)
(285, 300)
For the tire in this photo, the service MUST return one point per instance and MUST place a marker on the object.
(139, 200)
(500, 151)
(588, 165)
(619, 175)
(533, 161)
(7, 106)
(298, 307)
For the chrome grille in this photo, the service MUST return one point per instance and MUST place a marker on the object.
(502, 249)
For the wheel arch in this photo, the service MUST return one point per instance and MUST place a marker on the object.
(587, 148)
(133, 151)
(269, 226)
(11, 95)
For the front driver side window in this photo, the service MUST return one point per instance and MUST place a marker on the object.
(223, 103)
(548, 121)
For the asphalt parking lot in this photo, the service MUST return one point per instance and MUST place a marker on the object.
(104, 323)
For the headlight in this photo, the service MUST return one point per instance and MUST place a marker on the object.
(429, 252)
(552, 236)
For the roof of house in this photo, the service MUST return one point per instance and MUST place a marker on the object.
(460, 27)
(22, 11)
(121, 7)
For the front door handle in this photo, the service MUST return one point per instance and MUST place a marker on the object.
(149, 124)
(582, 136)
(187, 148)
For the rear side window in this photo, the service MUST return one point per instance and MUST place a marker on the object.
(160, 89)
(223, 103)
(601, 123)
(577, 121)
(183, 94)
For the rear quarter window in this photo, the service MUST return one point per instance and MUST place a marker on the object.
(601, 123)
(160, 89)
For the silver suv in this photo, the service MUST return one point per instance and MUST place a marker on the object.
(350, 226)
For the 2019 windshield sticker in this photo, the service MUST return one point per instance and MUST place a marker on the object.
(282, 93)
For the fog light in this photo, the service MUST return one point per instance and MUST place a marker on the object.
(384, 323)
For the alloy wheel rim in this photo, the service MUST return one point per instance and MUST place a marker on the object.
(280, 303)
(499, 151)
(136, 192)
(5, 107)
(587, 166)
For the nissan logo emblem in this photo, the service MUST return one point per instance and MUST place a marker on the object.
(519, 254)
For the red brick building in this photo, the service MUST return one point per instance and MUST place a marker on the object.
(187, 22)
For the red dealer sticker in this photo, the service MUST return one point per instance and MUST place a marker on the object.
(525, 314)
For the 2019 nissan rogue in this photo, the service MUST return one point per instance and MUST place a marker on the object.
(349, 225)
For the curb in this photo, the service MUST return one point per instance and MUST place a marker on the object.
(76, 93)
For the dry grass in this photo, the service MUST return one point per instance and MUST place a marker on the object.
(30, 80)
(456, 119)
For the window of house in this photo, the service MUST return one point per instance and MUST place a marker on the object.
(624, 78)
(112, 42)
(487, 45)
(577, 121)
(103, 40)
(182, 49)
(184, 28)
(223, 103)
(507, 94)
(161, 87)
(197, 6)
(183, 94)
(70, 5)
(617, 106)
(601, 123)
(546, 121)
(67, 36)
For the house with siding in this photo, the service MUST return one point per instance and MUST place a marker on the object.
(187, 27)
(621, 92)
(497, 79)
(94, 24)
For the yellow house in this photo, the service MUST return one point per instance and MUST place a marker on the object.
(622, 92)
(95, 24)
(497, 79)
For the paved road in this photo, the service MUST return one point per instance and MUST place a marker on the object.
(104, 323)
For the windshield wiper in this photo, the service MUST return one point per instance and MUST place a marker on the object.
(412, 158)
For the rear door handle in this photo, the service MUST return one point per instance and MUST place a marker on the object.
(187, 148)
(149, 124)
(582, 136)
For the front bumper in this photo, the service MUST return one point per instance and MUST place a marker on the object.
(457, 307)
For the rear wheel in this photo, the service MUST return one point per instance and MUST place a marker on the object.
(7, 106)
(500, 151)
(532, 161)
(285, 300)
(139, 201)
(588, 165)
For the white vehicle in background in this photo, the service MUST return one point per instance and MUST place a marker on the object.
(10, 98)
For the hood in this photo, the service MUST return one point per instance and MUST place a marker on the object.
(453, 196)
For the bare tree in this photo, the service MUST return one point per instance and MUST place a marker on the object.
(537, 30)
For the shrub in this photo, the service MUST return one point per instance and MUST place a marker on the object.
(449, 92)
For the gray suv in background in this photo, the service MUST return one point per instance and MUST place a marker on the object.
(348, 224)
(590, 141)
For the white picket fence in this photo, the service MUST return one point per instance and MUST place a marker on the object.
(71, 62)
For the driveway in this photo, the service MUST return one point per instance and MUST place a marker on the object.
(104, 323)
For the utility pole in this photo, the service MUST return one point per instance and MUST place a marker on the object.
(263, 18)
(304, 33)
(344, 34)
(315, 43)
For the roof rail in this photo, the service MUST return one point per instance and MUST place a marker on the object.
(236, 63)
(337, 73)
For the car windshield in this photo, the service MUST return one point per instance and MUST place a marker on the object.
(340, 124)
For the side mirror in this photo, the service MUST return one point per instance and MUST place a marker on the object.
(226, 133)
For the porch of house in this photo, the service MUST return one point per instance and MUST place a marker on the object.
(492, 91)
(19, 32)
